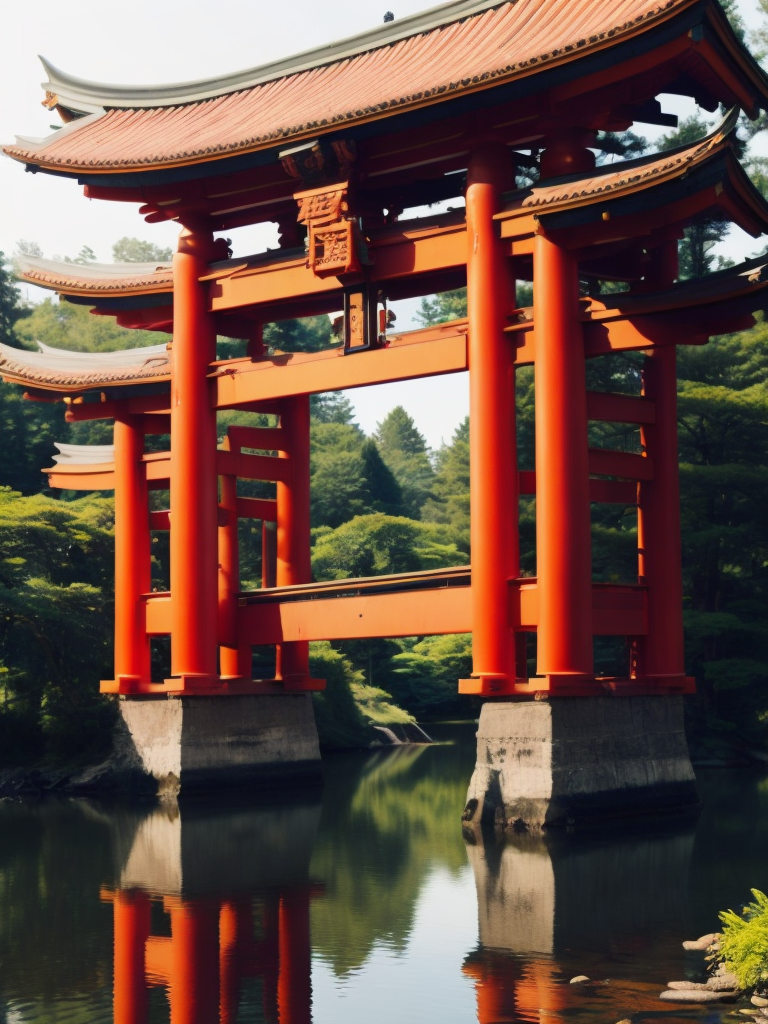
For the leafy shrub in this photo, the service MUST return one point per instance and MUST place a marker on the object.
(744, 942)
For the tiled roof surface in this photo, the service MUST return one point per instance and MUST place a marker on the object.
(73, 278)
(500, 43)
(628, 176)
(60, 369)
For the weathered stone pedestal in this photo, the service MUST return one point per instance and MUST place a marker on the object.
(196, 744)
(571, 761)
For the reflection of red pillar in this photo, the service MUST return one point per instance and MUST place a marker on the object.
(293, 525)
(194, 982)
(193, 469)
(269, 956)
(509, 990)
(294, 986)
(235, 937)
(493, 463)
(563, 553)
(661, 652)
(132, 555)
(495, 985)
(132, 921)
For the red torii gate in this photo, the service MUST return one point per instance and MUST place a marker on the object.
(336, 182)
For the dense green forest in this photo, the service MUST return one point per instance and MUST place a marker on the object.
(385, 503)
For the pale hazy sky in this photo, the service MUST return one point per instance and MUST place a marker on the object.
(177, 40)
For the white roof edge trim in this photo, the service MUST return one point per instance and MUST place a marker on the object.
(83, 454)
(63, 360)
(82, 96)
(89, 271)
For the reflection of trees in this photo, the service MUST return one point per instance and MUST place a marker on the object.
(383, 829)
(55, 934)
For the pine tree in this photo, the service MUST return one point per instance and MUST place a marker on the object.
(383, 488)
(332, 407)
(405, 451)
(11, 310)
(438, 309)
(449, 500)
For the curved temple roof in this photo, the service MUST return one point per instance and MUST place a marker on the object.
(612, 181)
(100, 278)
(56, 369)
(459, 47)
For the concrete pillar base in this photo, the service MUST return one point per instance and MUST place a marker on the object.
(573, 760)
(198, 744)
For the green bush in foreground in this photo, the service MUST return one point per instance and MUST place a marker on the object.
(744, 942)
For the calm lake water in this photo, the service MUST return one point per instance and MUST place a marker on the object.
(363, 904)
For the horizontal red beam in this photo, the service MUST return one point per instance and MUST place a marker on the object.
(606, 492)
(617, 611)
(603, 462)
(257, 508)
(265, 439)
(613, 408)
(160, 520)
(419, 354)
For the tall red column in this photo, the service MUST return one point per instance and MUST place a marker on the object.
(132, 556)
(132, 923)
(661, 652)
(563, 543)
(493, 455)
(294, 984)
(293, 564)
(234, 658)
(194, 557)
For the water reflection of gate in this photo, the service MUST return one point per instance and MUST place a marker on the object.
(549, 909)
(225, 921)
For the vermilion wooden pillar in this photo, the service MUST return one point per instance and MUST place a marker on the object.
(234, 658)
(131, 924)
(661, 652)
(294, 985)
(293, 563)
(493, 456)
(132, 556)
(193, 471)
(563, 543)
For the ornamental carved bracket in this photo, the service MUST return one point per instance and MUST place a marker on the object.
(333, 234)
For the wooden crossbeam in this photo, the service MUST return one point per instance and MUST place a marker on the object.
(606, 492)
(618, 610)
(419, 354)
(614, 408)
(603, 462)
